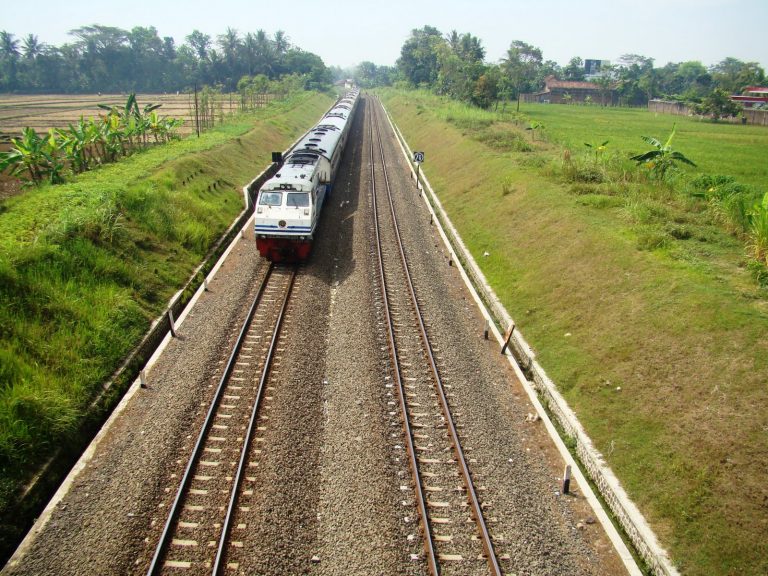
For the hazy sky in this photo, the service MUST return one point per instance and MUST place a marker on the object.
(344, 33)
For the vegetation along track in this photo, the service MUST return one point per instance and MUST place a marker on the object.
(440, 471)
(197, 531)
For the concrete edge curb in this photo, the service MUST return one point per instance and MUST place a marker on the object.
(624, 510)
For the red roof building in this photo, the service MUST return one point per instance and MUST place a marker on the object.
(570, 92)
(753, 97)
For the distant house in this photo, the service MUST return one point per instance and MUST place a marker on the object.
(570, 92)
(753, 97)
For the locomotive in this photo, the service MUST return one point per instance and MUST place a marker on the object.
(288, 205)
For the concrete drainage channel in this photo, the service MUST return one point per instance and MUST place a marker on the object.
(541, 389)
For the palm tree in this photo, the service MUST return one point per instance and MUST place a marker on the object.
(9, 55)
(264, 54)
(32, 47)
(282, 42)
(250, 51)
(9, 46)
(230, 44)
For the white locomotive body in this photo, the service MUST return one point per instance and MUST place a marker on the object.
(289, 204)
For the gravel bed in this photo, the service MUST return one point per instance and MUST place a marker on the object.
(325, 489)
(540, 530)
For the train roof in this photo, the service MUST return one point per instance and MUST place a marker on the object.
(320, 141)
(323, 138)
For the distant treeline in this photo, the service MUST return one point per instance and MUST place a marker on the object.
(109, 59)
(454, 64)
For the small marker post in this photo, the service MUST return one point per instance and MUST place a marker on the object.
(507, 337)
(567, 479)
(172, 322)
(143, 378)
(205, 283)
(487, 329)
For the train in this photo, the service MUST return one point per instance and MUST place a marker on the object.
(288, 205)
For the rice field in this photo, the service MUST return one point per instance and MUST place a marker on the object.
(43, 112)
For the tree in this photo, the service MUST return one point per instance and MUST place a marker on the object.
(9, 56)
(605, 83)
(418, 60)
(521, 66)
(200, 43)
(231, 46)
(574, 71)
(718, 104)
(32, 47)
(460, 65)
(486, 88)
(310, 66)
(636, 79)
(733, 75)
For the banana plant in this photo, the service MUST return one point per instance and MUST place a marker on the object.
(662, 157)
(75, 141)
(33, 158)
(535, 125)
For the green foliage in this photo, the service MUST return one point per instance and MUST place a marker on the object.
(112, 60)
(598, 148)
(718, 105)
(33, 158)
(758, 230)
(662, 158)
(89, 143)
(535, 125)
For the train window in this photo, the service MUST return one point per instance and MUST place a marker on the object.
(271, 199)
(298, 199)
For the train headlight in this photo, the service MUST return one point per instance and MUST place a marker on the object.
(306, 211)
(281, 223)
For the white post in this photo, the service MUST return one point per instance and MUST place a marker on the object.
(567, 479)
(172, 322)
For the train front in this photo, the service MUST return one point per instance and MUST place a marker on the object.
(284, 220)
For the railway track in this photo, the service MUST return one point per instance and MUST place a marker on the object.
(197, 535)
(454, 532)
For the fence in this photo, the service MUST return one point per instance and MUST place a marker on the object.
(748, 116)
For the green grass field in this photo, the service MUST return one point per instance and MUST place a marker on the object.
(86, 266)
(638, 299)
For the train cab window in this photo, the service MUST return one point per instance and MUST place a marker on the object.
(271, 199)
(298, 199)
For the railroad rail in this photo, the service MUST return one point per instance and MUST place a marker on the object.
(196, 532)
(442, 529)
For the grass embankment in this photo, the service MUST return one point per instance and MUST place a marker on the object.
(635, 296)
(86, 266)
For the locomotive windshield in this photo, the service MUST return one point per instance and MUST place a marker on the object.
(298, 199)
(271, 199)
